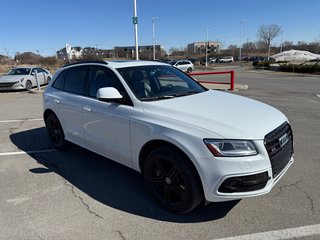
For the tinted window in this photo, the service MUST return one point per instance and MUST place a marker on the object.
(76, 81)
(103, 77)
(150, 83)
(59, 82)
(40, 70)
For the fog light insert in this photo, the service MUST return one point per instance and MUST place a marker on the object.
(245, 183)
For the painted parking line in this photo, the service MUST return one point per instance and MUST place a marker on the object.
(28, 152)
(318, 95)
(21, 120)
(289, 233)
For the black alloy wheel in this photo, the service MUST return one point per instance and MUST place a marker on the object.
(55, 132)
(172, 180)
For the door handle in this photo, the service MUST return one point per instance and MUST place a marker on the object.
(87, 109)
(56, 101)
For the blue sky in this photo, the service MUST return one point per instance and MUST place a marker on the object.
(46, 26)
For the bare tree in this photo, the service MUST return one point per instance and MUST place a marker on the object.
(267, 33)
(249, 47)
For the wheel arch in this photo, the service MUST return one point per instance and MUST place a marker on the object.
(46, 113)
(153, 144)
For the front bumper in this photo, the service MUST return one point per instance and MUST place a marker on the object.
(4, 86)
(245, 185)
(236, 178)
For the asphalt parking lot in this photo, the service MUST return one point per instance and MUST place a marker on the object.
(76, 194)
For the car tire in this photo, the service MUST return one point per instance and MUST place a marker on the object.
(55, 132)
(189, 70)
(28, 85)
(172, 180)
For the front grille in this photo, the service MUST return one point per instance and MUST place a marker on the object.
(245, 183)
(7, 84)
(279, 150)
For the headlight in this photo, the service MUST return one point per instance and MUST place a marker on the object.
(230, 148)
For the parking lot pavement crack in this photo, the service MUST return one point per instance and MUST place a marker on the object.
(41, 237)
(81, 200)
(120, 234)
(13, 129)
(296, 185)
(310, 199)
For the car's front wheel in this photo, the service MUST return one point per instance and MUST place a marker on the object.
(55, 132)
(189, 70)
(172, 180)
(28, 85)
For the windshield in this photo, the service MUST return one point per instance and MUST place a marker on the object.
(151, 83)
(19, 71)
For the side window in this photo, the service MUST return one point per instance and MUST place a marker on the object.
(76, 80)
(59, 82)
(103, 77)
(41, 70)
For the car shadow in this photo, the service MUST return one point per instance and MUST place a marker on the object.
(106, 181)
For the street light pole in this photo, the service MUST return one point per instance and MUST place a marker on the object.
(207, 45)
(154, 37)
(135, 22)
(242, 21)
(281, 41)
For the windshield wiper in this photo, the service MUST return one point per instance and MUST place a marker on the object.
(157, 98)
(191, 92)
(186, 93)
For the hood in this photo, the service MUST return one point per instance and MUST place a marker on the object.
(12, 78)
(227, 115)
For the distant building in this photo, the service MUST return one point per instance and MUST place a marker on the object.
(145, 52)
(199, 48)
(76, 52)
(96, 52)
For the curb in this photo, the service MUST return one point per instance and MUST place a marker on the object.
(225, 87)
(35, 91)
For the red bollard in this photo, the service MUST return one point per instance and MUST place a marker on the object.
(232, 80)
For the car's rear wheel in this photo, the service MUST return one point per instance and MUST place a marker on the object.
(28, 85)
(189, 70)
(172, 180)
(48, 80)
(55, 132)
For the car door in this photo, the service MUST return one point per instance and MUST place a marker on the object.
(107, 124)
(67, 100)
(184, 65)
(40, 76)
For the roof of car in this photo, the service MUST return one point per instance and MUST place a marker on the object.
(120, 63)
(25, 67)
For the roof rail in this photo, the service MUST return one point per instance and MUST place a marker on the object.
(81, 62)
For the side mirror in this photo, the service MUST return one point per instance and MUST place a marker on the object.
(109, 94)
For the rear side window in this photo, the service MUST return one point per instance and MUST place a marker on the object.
(103, 77)
(59, 82)
(76, 80)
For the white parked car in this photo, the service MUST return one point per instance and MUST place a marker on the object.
(190, 143)
(228, 59)
(24, 78)
(184, 65)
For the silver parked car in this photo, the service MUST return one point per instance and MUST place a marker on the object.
(184, 65)
(24, 78)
